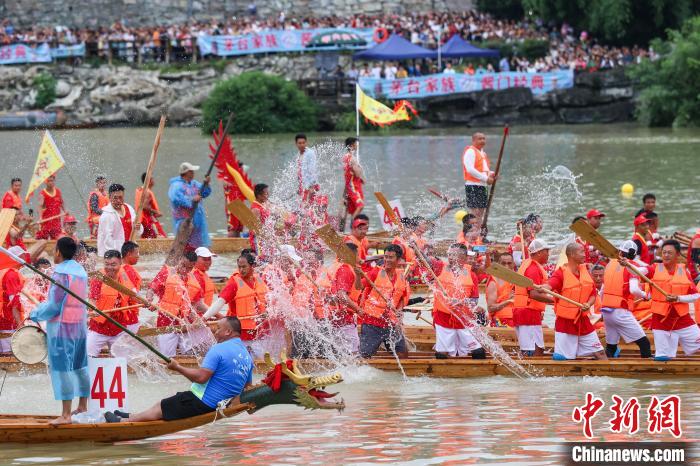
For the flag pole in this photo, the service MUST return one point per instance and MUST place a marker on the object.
(357, 121)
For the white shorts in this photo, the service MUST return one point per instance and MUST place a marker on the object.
(97, 341)
(455, 342)
(349, 338)
(6, 343)
(529, 336)
(572, 346)
(168, 343)
(621, 323)
(666, 342)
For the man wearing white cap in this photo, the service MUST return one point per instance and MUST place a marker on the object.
(201, 267)
(11, 282)
(183, 192)
(528, 303)
(616, 302)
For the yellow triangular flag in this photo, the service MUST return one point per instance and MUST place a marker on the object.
(48, 162)
(377, 112)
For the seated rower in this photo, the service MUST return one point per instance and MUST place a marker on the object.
(500, 295)
(200, 271)
(130, 257)
(670, 320)
(574, 334)
(453, 315)
(226, 371)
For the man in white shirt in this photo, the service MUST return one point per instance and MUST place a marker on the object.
(477, 175)
(307, 168)
(116, 222)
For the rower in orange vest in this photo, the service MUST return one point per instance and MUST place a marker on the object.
(358, 236)
(454, 312)
(11, 199)
(179, 294)
(617, 299)
(527, 310)
(246, 296)
(151, 211)
(597, 274)
(381, 321)
(641, 228)
(500, 295)
(11, 283)
(101, 332)
(97, 199)
(574, 334)
(200, 271)
(130, 257)
(670, 321)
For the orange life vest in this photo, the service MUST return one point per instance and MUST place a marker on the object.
(408, 254)
(109, 297)
(102, 200)
(522, 298)
(355, 293)
(16, 200)
(375, 306)
(22, 281)
(249, 302)
(481, 164)
(503, 291)
(613, 285)
(577, 288)
(137, 199)
(209, 288)
(676, 284)
(174, 299)
(361, 245)
(457, 286)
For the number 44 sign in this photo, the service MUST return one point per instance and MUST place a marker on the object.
(108, 384)
(386, 221)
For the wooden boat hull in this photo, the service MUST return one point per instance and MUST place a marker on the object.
(162, 245)
(36, 429)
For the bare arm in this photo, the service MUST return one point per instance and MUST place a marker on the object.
(196, 375)
(492, 304)
(357, 169)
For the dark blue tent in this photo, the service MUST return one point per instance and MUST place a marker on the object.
(457, 47)
(395, 48)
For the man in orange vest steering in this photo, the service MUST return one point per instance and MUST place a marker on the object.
(477, 176)
(617, 300)
(670, 321)
(574, 334)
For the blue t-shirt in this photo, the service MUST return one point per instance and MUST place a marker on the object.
(233, 369)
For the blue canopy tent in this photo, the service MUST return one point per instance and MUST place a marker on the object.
(457, 47)
(395, 48)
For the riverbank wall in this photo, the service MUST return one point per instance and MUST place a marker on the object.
(122, 95)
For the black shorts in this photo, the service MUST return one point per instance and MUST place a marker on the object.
(476, 196)
(183, 405)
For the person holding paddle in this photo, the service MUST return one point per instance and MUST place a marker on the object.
(500, 295)
(670, 321)
(354, 179)
(11, 284)
(477, 175)
(185, 192)
(574, 334)
(66, 331)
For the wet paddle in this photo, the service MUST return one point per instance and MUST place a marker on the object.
(186, 227)
(7, 217)
(149, 174)
(589, 234)
(484, 227)
(86, 303)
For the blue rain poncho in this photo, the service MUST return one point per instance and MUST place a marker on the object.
(180, 194)
(66, 330)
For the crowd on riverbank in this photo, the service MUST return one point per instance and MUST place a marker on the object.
(567, 49)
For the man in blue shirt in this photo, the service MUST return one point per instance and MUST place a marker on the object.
(183, 192)
(226, 371)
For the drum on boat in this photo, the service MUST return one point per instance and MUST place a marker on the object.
(29, 344)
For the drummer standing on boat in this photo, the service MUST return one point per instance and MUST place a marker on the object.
(66, 331)
(11, 282)
(116, 222)
(97, 200)
(183, 192)
(151, 211)
(477, 176)
(51, 208)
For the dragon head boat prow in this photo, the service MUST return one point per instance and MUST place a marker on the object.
(286, 384)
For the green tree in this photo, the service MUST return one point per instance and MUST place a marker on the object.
(510, 9)
(670, 89)
(262, 103)
(45, 86)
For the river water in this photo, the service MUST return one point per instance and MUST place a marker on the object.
(494, 420)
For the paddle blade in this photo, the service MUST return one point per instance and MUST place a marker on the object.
(387, 208)
(589, 234)
(245, 215)
(335, 242)
(114, 284)
(7, 216)
(504, 273)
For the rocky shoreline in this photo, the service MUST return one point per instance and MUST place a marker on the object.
(121, 95)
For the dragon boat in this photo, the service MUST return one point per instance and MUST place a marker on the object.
(284, 384)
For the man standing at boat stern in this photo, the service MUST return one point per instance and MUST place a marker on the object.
(66, 331)
(477, 176)
(184, 192)
(226, 371)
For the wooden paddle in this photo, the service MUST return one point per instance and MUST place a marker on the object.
(123, 308)
(185, 229)
(586, 232)
(522, 239)
(7, 218)
(484, 227)
(389, 211)
(128, 292)
(85, 303)
(149, 174)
